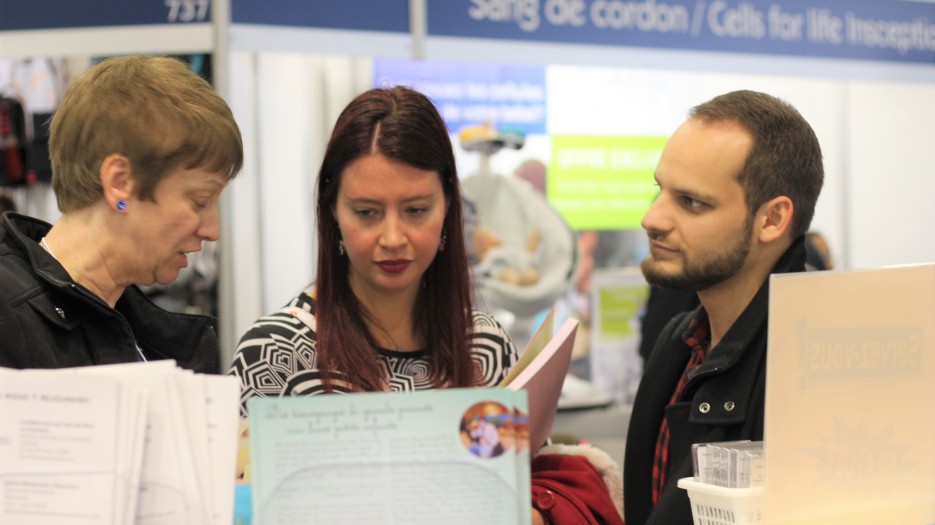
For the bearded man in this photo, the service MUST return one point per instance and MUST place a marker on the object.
(738, 182)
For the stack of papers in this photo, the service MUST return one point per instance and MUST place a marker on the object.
(144, 443)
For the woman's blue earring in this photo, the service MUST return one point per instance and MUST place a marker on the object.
(121, 204)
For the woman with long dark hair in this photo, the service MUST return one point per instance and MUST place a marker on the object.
(392, 268)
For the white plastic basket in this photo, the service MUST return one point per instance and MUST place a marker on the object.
(713, 505)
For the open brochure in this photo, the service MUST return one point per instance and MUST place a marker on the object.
(437, 456)
(455, 456)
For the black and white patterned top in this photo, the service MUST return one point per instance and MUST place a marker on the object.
(276, 357)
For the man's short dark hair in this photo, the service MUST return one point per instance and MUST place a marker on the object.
(785, 158)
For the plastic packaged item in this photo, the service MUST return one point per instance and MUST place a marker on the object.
(712, 462)
(746, 465)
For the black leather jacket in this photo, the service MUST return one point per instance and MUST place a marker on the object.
(47, 320)
(723, 401)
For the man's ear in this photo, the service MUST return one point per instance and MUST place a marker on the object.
(774, 219)
(116, 179)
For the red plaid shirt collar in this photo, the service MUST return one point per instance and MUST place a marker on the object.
(697, 336)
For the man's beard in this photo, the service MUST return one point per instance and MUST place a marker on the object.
(712, 269)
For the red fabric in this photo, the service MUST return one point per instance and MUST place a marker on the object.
(697, 337)
(568, 490)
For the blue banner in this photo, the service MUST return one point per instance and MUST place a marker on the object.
(508, 96)
(886, 30)
(364, 15)
(57, 14)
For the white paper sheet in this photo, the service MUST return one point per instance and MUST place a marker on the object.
(169, 491)
(223, 413)
(58, 449)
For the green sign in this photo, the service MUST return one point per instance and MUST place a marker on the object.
(618, 306)
(601, 182)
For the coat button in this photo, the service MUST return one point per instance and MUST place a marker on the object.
(60, 312)
(704, 408)
(729, 406)
(545, 500)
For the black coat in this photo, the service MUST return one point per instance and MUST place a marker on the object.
(723, 401)
(662, 305)
(47, 320)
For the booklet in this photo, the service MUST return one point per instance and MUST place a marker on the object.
(448, 456)
(541, 372)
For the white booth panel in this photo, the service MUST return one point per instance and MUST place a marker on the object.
(891, 180)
